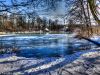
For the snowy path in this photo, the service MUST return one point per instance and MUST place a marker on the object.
(87, 62)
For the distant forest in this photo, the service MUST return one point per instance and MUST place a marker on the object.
(22, 15)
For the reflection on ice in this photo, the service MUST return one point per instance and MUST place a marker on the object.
(49, 45)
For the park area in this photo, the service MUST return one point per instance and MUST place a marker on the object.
(49, 37)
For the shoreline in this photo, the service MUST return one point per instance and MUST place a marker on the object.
(33, 32)
(74, 64)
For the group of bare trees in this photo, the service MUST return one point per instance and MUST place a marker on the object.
(85, 13)
(22, 15)
(26, 13)
(80, 14)
(16, 23)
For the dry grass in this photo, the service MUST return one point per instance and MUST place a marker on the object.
(88, 32)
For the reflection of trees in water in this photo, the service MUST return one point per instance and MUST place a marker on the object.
(1, 44)
(14, 45)
(70, 48)
(8, 46)
(75, 46)
(40, 42)
(59, 46)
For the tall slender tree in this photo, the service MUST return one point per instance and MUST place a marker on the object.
(93, 8)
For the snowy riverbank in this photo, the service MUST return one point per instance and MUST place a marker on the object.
(81, 63)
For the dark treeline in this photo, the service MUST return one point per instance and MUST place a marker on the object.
(22, 23)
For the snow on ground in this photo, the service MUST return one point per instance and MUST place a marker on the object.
(87, 64)
(80, 63)
(95, 38)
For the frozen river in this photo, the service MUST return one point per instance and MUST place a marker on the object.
(43, 45)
